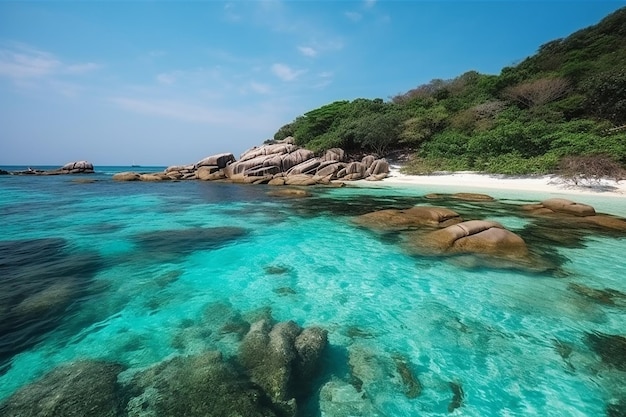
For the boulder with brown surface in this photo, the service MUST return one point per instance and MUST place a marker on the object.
(220, 160)
(474, 236)
(126, 176)
(575, 214)
(561, 205)
(394, 219)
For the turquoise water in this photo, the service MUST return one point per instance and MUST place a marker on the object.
(141, 269)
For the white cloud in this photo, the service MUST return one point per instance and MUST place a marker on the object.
(260, 88)
(354, 16)
(81, 68)
(20, 62)
(307, 51)
(230, 14)
(172, 109)
(369, 3)
(286, 73)
(165, 78)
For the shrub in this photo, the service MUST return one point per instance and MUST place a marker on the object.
(590, 169)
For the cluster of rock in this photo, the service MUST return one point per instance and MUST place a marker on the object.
(281, 163)
(78, 167)
(570, 212)
(432, 230)
(275, 366)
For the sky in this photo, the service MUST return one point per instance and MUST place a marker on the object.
(171, 82)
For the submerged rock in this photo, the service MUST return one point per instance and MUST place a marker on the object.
(605, 296)
(341, 399)
(457, 396)
(611, 348)
(41, 281)
(413, 387)
(282, 359)
(199, 385)
(79, 389)
(185, 241)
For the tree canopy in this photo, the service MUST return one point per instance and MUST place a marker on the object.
(568, 99)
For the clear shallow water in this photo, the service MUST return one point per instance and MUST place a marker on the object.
(516, 341)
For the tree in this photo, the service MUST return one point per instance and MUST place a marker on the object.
(606, 96)
(538, 92)
(378, 132)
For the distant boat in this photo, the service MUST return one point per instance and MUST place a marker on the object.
(135, 165)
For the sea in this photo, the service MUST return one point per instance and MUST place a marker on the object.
(134, 272)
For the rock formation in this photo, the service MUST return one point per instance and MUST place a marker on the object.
(78, 167)
(79, 389)
(474, 236)
(576, 214)
(282, 360)
(198, 385)
(393, 219)
(280, 163)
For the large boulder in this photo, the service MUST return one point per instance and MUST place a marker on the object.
(220, 160)
(474, 236)
(561, 205)
(78, 167)
(307, 167)
(294, 158)
(335, 154)
(126, 176)
(571, 214)
(393, 219)
(377, 167)
(79, 389)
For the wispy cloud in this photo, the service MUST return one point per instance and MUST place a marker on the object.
(81, 68)
(172, 109)
(368, 4)
(307, 51)
(354, 16)
(260, 88)
(19, 61)
(230, 13)
(285, 72)
(197, 76)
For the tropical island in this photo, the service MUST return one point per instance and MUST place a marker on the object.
(560, 110)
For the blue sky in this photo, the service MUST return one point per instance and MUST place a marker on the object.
(166, 82)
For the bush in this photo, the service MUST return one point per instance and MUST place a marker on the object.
(590, 168)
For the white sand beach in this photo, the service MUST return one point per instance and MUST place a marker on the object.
(540, 184)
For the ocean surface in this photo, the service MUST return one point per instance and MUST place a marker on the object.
(134, 273)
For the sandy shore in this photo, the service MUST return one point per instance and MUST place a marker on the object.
(549, 184)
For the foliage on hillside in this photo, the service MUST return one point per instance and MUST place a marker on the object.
(568, 99)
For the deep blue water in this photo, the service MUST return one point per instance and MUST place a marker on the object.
(129, 272)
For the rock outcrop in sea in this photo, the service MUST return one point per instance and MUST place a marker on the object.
(77, 167)
(572, 213)
(279, 163)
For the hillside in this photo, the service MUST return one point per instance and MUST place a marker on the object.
(561, 106)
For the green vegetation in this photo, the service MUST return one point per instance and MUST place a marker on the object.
(568, 100)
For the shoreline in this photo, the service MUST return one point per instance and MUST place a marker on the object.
(552, 184)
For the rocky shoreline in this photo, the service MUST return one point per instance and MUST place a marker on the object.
(77, 167)
(278, 163)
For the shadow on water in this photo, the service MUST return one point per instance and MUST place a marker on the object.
(42, 281)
